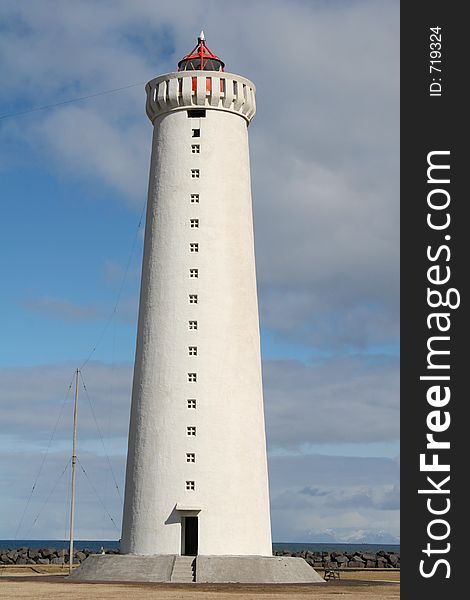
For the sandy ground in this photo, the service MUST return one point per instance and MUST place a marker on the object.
(352, 586)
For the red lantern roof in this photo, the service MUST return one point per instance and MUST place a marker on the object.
(201, 58)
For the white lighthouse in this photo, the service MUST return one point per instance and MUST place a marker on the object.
(196, 480)
(196, 504)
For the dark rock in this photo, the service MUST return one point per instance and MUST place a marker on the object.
(381, 564)
(80, 556)
(330, 563)
(368, 556)
(57, 561)
(33, 553)
(341, 560)
(382, 559)
(30, 561)
(357, 558)
(356, 564)
(21, 560)
(43, 561)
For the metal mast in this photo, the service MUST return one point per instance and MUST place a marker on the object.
(74, 460)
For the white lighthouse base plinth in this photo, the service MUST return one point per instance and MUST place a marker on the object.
(125, 567)
(208, 569)
(254, 569)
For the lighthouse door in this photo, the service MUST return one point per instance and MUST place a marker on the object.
(190, 536)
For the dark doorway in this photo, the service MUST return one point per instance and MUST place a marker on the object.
(190, 532)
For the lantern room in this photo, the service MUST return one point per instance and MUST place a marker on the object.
(201, 58)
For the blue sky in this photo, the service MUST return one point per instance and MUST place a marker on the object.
(324, 154)
(68, 249)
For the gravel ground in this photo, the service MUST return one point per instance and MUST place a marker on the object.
(353, 586)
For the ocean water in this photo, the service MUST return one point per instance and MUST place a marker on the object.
(96, 545)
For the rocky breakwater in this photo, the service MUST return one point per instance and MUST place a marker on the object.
(343, 560)
(44, 556)
(317, 560)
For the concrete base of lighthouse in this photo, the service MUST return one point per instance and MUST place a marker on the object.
(208, 569)
(254, 569)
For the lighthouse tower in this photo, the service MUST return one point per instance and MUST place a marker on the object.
(196, 480)
(196, 504)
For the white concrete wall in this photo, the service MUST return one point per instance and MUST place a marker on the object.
(230, 471)
(214, 89)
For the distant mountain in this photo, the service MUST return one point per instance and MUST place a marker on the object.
(351, 536)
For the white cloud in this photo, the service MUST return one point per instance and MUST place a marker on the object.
(307, 491)
(343, 494)
(324, 142)
(100, 148)
(47, 513)
(62, 309)
(31, 400)
(332, 401)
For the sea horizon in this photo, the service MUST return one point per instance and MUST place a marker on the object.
(97, 545)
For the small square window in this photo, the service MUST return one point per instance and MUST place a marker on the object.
(190, 457)
(195, 148)
(194, 223)
(192, 350)
(192, 377)
(192, 298)
(194, 247)
(196, 133)
(192, 325)
(195, 173)
(191, 431)
(194, 273)
(191, 403)
(195, 198)
(190, 485)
